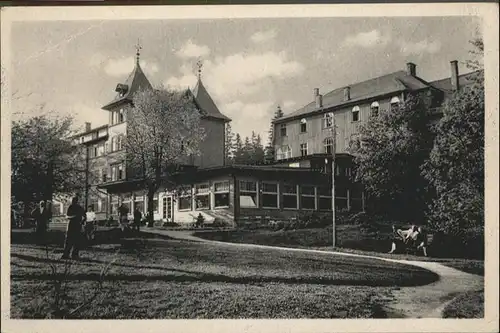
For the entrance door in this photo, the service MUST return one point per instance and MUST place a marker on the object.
(167, 208)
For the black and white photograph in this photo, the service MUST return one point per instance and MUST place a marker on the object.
(294, 166)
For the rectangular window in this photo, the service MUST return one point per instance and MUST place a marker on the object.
(303, 127)
(248, 194)
(91, 152)
(121, 173)
(104, 173)
(329, 145)
(100, 149)
(327, 120)
(283, 129)
(202, 196)
(374, 111)
(221, 194)
(185, 199)
(355, 115)
(289, 196)
(95, 135)
(269, 195)
(324, 198)
(307, 197)
(103, 205)
(155, 203)
(303, 149)
(340, 198)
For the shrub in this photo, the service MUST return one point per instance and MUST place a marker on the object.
(200, 220)
(170, 224)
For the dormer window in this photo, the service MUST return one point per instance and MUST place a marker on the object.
(355, 113)
(303, 126)
(121, 89)
(394, 103)
(374, 108)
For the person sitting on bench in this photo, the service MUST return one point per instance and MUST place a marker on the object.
(404, 236)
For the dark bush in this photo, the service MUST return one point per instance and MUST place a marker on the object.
(170, 224)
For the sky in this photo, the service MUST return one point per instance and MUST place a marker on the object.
(250, 66)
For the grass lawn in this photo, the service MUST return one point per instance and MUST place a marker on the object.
(466, 305)
(182, 279)
(350, 238)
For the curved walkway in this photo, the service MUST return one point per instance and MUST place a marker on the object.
(426, 301)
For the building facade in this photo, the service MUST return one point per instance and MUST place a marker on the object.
(309, 131)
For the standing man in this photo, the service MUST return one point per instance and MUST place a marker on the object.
(41, 215)
(90, 223)
(137, 218)
(76, 216)
(123, 213)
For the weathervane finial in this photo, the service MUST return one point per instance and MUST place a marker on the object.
(138, 49)
(199, 64)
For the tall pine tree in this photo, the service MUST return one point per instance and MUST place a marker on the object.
(269, 150)
(238, 150)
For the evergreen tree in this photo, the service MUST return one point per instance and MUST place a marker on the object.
(259, 153)
(238, 150)
(269, 150)
(229, 145)
(246, 155)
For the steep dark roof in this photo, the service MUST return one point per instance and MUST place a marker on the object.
(205, 102)
(136, 81)
(391, 83)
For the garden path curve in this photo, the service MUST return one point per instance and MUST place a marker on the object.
(426, 301)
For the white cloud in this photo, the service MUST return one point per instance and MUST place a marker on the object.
(263, 36)
(289, 104)
(123, 66)
(248, 117)
(367, 39)
(191, 50)
(423, 46)
(229, 78)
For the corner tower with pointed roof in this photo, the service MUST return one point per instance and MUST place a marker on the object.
(213, 121)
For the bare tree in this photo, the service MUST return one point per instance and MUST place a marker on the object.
(163, 132)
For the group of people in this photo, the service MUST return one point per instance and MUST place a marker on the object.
(82, 224)
(413, 237)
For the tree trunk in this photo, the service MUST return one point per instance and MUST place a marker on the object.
(150, 216)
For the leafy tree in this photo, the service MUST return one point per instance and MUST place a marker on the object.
(46, 162)
(229, 145)
(163, 131)
(269, 150)
(455, 168)
(388, 155)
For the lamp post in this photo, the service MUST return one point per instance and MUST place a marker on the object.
(334, 148)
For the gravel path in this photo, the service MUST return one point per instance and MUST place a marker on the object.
(426, 301)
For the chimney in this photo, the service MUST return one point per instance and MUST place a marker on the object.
(347, 93)
(87, 126)
(318, 98)
(411, 69)
(454, 75)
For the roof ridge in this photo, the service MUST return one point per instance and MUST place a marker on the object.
(359, 82)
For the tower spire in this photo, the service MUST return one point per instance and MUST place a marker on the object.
(138, 49)
(199, 64)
